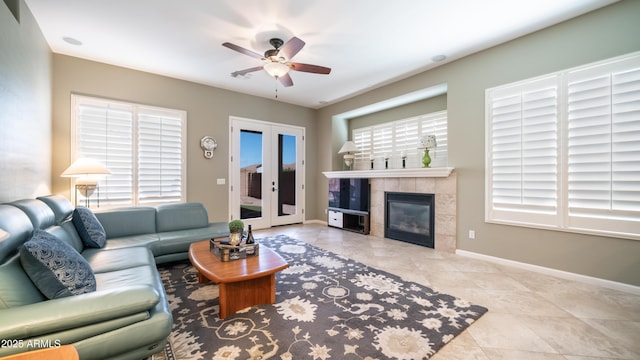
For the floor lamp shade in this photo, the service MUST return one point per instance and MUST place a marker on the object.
(86, 172)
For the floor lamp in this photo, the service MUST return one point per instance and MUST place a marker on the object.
(86, 172)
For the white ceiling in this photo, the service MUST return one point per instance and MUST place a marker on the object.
(367, 43)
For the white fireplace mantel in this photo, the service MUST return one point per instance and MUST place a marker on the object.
(390, 173)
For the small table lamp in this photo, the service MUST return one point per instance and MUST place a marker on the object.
(86, 173)
(347, 149)
(427, 142)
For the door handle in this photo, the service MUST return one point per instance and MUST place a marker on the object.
(273, 189)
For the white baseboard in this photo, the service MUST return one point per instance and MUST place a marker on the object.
(553, 272)
(315, 222)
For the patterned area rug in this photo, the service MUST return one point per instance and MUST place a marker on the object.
(327, 306)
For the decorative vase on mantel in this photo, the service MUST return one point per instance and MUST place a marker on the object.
(236, 228)
(427, 142)
(426, 159)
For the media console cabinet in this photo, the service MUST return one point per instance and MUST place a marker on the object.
(351, 220)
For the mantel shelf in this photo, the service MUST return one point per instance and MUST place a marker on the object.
(390, 173)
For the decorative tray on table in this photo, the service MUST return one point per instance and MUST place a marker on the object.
(227, 252)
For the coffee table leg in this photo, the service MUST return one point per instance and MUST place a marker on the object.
(202, 278)
(236, 296)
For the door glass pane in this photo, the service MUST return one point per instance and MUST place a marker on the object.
(286, 175)
(250, 174)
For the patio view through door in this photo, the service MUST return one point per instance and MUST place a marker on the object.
(266, 173)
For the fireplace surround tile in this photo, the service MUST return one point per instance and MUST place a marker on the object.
(426, 185)
(446, 202)
(445, 224)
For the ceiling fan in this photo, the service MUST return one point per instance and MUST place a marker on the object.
(277, 60)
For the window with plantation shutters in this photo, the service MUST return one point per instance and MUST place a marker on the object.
(395, 138)
(563, 151)
(523, 151)
(603, 146)
(142, 146)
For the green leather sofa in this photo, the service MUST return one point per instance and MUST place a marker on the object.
(127, 316)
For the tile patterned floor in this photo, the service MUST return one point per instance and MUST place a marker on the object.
(531, 316)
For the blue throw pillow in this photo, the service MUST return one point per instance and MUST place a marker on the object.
(89, 228)
(56, 268)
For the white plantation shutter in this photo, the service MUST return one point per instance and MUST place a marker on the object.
(105, 132)
(363, 140)
(382, 140)
(399, 136)
(563, 151)
(604, 146)
(143, 147)
(407, 135)
(523, 151)
(160, 157)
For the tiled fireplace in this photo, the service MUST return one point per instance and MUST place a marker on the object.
(445, 191)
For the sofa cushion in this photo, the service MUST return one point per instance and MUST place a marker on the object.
(55, 267)
(89, 228)
(102, 260)
(181, 216)
(16, 289)
(139, 220)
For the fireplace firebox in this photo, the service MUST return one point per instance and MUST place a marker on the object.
(410, 217)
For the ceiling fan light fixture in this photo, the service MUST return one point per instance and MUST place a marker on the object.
(276, 69)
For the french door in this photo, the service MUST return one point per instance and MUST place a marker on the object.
(266, 173)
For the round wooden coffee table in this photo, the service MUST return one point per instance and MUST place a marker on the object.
(242, 283)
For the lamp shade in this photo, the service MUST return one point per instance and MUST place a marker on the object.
(348, 147)
(428, 142)
(276, 69)
(85, 167)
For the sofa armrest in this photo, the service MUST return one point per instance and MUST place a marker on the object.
(75, 311)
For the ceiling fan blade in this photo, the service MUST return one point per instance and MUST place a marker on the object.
(286, 80)
(309, 68)
(291, 48)
(246, 71)
(242, 50)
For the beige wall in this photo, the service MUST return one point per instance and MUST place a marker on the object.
(25, 107)
(605, 33)
(208, 110)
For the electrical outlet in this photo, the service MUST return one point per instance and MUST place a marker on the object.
(472, 234)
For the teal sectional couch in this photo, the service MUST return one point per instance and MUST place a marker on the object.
(127, 316)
